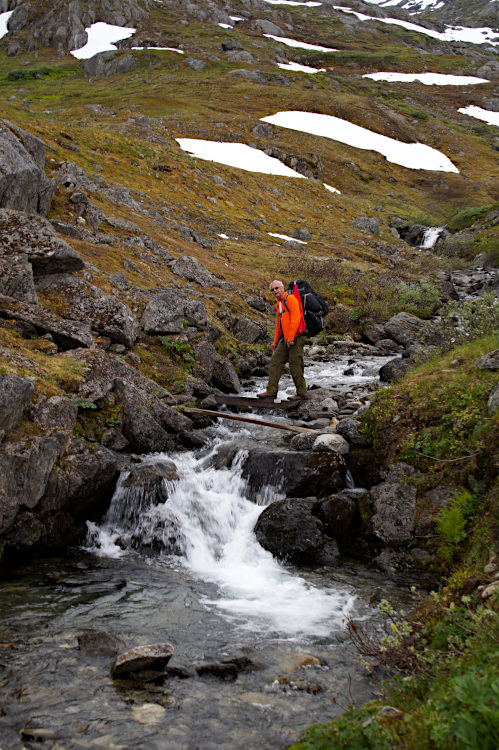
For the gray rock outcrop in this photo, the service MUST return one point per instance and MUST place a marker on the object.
(291, 532)
(35, 237)
(66, 333)
(405, 328)
(191, 269)
(15, 395)
(296, 473)
(16, 279)
(394, 506)
(80, 300)
(23, 183)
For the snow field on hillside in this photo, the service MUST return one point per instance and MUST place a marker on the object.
(101, 38)
(410, 155)
(492, 118)
(452, 34)
(429, 79)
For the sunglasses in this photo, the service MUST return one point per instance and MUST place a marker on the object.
(274, 288)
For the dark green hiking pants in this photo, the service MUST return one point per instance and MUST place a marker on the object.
(293, 355)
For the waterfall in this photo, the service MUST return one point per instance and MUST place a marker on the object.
(430, 237)
(206, 524)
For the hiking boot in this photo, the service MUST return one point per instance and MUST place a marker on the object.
(265, 394)
(298, 398)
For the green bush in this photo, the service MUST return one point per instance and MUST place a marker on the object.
(24, 75)
(355, 730)
(83, 403)
(180, 351)
(473, 709)
(466, 217)
(462, 322)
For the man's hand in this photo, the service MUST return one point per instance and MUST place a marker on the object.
(273, 347)
(289, 343)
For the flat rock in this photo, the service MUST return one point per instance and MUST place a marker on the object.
(154, 657)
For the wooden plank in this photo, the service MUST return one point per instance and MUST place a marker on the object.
(237, 418)
(256, 403)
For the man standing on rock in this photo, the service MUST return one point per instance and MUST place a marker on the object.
(288, 344)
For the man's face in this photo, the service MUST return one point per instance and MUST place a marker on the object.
(277, 290)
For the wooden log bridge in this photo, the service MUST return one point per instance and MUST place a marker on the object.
(237, 418)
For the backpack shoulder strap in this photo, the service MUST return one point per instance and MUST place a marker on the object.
(284, 301)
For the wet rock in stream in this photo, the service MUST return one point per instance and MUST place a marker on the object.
(153, 657)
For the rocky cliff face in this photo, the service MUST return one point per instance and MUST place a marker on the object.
(62, 25)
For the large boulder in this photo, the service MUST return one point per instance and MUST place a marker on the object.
(79, 300)
(225, 376)
(25, 467)
(395, 369)
(296, 473)
(248, 331)
(493, 401)
(82, 484)
(35, 237)
(16, 279)
(110, 64)
(152, 658)
(15, 395)
(67, 334)
(23, 183)
(291, 532)
(166, 311)
(404, 328)
(394, 502)
(55, 412)
(337, 514)
(191, 269)
(148, 422)
(489, 361)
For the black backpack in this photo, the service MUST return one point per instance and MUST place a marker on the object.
(314, 306)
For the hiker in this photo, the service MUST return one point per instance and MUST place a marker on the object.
(288, 344)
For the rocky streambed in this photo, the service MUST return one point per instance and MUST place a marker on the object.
(260, 649)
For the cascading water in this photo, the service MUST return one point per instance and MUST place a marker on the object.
(176, 561)
(430, 237)
(208, 521)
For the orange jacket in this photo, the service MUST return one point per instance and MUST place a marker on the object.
(288, 327)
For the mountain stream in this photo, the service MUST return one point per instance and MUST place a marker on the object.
(220, 596)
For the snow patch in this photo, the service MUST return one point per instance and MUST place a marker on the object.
(297, 68)
(481, 114)
(4, 20)
(452, 34)
(286, 237)
(410, 155)
(309, 4)
(301, 45)
(429, 79)
(162, 49)
(237, 155)
(100, 39)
